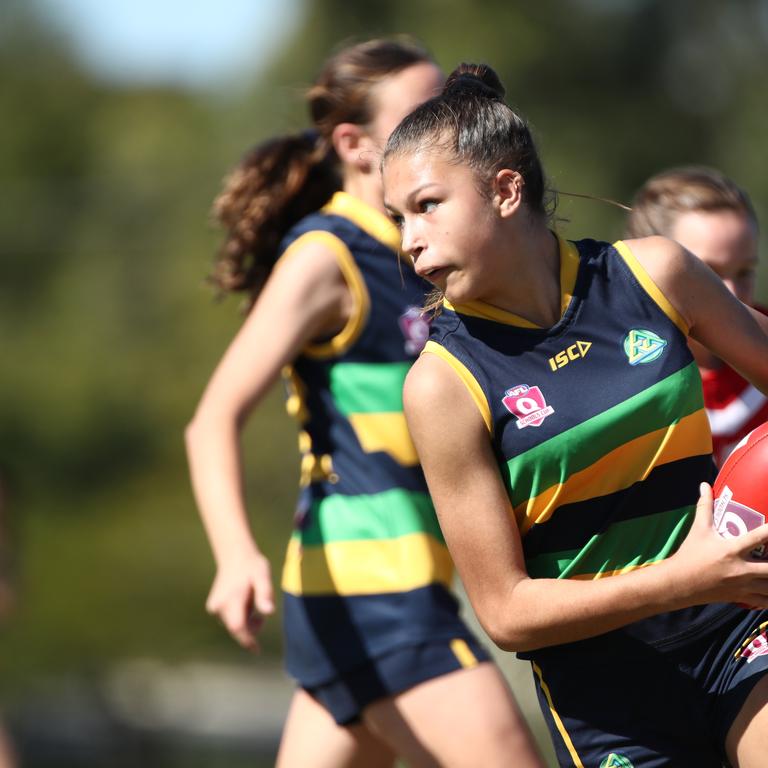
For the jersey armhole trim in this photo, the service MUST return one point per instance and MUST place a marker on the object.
(344, 339)
(653, 290)
(470, 382)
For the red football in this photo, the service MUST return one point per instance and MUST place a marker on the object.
(741, 487)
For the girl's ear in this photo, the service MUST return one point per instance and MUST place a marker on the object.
(508, 191)
(352, 145)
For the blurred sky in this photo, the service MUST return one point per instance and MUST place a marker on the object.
(196, 43)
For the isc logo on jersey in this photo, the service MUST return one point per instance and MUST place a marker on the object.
(569, 354)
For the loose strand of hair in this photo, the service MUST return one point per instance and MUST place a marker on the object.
(596, 198)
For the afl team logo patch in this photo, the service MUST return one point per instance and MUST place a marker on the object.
(415, 328)
(527, 404)
(616, 761)
(643, 346)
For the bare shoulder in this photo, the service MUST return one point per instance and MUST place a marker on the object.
(308, 280)
(313, 257)
(660, 256)
(437, 401)
(684, 280)
(431, 382)
(428, 376)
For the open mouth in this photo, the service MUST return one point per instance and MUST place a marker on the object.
(433, 272)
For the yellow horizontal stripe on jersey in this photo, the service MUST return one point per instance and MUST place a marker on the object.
(653, 290)
(617, 470)
(386, 432)
(615, 572)
(367, 567)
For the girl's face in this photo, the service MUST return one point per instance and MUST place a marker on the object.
(725, 240)
(448, 228)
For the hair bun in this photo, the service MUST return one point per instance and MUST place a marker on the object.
(476, 80)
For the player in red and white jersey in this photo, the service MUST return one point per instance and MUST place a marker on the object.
(712, 217)
(734, 407)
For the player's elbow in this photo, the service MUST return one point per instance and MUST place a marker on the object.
(502, 635)
(508, 625)
(213, 422)
(509, 635)
(194, 429)
(197, 432)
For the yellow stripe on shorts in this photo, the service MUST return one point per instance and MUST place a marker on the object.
(463, 653)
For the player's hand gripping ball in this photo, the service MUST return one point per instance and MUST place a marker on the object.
(741, 488)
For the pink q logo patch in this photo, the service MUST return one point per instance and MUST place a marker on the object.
(415, 328)
(528, 405)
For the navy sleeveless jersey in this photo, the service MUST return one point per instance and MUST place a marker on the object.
(598, 423)
(367, 569)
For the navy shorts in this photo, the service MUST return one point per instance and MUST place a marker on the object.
(390, 674)
(616, 702)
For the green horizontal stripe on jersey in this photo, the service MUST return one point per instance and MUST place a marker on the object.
(381, 516)
(661, 405)
(368, 387)
(617, 548)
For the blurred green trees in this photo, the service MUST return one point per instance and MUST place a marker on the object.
(108, 331)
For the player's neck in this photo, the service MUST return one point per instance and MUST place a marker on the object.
(532, 288)
(365, 188)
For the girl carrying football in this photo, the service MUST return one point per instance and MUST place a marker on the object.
(557, 412)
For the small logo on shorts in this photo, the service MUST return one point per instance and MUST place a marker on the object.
(527, 404)
(641, 346)
(754, 646)
(415, 328)
(616, 761)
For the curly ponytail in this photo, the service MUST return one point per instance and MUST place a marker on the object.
(275, 185)
(279, 182)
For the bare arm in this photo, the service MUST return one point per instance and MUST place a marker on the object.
(521, 613)
(304, 298)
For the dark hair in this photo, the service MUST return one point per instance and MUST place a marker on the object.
(667, 195)
(282, 180)
(470, 120)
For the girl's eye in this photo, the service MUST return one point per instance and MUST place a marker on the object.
(427, 206)
(396, 220)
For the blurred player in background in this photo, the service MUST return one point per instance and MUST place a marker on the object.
(712, 217)
(384, 664)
